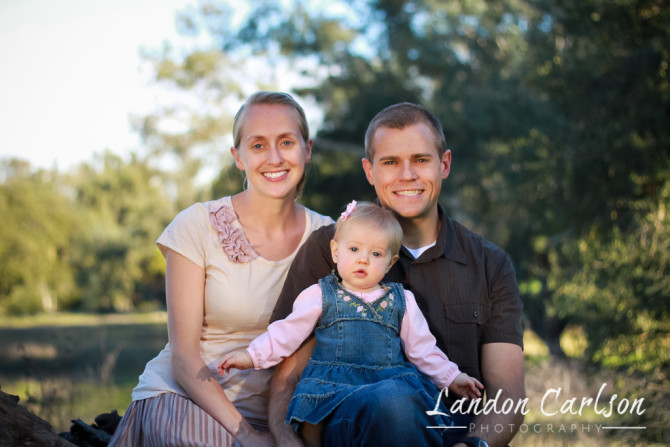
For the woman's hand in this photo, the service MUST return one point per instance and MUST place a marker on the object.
(239, 359)
(466, 386)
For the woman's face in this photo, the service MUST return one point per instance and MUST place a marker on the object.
(272, 152)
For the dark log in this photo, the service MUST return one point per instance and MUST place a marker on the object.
(19, 427)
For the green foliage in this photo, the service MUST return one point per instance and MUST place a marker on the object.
(556, 114)
(334, 178)
(619, 292)
(602, 67)
(188, 129)
(36, 230)
(83, 240)
(124, 209)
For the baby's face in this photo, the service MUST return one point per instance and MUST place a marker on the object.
(362, 257)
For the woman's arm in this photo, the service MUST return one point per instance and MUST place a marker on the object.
(282, 338)
(185, 283)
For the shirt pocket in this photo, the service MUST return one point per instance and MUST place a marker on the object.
(463, 323)
(466, 313)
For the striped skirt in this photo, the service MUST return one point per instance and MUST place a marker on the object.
(170, 420)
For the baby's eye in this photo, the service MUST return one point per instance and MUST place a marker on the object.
(376, 254)
(354, 249)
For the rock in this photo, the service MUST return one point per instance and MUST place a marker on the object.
(95, 435)
(19, 427)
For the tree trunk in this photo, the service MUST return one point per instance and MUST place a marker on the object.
(19, 426)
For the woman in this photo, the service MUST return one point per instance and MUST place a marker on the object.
(226, 261)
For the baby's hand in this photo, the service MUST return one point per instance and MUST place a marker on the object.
(239, 359)
(466, 386)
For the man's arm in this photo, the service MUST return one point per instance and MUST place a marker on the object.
(502, 354)
(312, 262)
(284, 380)
(502, 370)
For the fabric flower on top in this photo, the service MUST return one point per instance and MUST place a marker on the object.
(234, 242)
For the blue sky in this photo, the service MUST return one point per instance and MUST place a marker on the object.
(71, 75)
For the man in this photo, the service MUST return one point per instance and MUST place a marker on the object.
(465, 286)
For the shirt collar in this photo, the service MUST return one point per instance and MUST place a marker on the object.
(448, 243)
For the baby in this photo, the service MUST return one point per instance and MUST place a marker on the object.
(362, 328)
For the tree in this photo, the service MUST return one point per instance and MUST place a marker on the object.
(556, 113)
(123, 210)
(603, 68)
(37, 227)
(618, 288)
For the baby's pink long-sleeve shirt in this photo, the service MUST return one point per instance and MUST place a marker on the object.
(284, 337)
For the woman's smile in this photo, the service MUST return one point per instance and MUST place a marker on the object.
(275, 175)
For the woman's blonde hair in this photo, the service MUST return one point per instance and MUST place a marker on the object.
(273, 98)
(381, 219)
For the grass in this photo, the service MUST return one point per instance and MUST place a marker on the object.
(70, 366)
(79, 319)
(578, 380)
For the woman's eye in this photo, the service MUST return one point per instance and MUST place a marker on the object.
(257, 146)
(287, 143)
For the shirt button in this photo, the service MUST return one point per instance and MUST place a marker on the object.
(475, 313)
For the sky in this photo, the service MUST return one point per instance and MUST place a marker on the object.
(71, 77)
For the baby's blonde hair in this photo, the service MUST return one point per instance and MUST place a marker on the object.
(375, 216)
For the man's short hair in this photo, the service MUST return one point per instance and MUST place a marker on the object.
(400, 116)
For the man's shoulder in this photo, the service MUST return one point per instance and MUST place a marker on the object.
(322, 235)
(474, 242)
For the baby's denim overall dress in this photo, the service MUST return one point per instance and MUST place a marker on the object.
(357, 344)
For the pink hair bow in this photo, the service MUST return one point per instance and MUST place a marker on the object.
(348, 211)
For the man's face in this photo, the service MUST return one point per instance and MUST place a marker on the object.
(407, 171)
